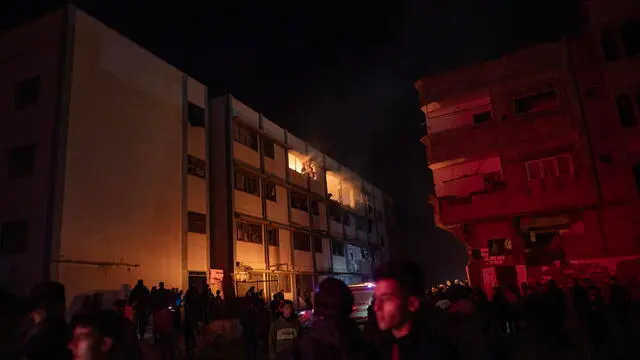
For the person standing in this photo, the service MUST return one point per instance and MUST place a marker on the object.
(49, 335)
(399, 294)
(284, 330)
(333, 335)
(139, 300)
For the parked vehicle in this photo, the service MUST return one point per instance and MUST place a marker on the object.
(363, 297)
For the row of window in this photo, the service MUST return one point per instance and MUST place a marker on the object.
(249, 232)
(531, 103)
(251, 184)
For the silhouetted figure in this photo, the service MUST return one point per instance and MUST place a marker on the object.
(139, 300)
(48, 337)
(250, 322)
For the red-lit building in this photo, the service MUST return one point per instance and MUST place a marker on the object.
(536, 155)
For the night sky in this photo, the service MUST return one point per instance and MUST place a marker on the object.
(338, 74)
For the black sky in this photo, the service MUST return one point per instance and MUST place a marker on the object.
(338, 74)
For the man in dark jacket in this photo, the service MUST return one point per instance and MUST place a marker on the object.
(333, 335)
(139, 300)
(48, 337)
(399, 294)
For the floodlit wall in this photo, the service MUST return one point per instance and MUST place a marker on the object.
(123, 189)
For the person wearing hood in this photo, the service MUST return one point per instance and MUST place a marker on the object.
(399, 308)
(333, 335)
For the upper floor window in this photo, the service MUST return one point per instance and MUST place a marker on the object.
(26, 93)
(347, 219)
(21, 162)
(549, 167)
(317, 245)
(247, 183)
(268, 149)
(380, 216)
(370, 226)
(335, 213)
(359, 224)
(196, 166)
(197, 222)
(626, 110)
(630, 37)
(609, 42)
(338, 248)
(249, 232)
(536, 102)
(299, 201)
(270, 192)
(14, 237)
(195, 115)
(298, 164)
(315, 207)
(273, 236)
(301, 241)
(245, 137)
(482, 117)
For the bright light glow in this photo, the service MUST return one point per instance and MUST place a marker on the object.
(302, 164)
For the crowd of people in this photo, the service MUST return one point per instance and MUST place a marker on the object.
(406, 322)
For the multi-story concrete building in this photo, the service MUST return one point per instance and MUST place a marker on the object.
(117, 166)
(535, 155)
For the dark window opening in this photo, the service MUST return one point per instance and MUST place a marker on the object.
(536, 102)
(543, 248)
(338, 248)
(482, 117)
(359, 224)
(299, 201)
(630, 37)
(197, 222)
(196, 167)
(347, 219)
(270, 192)
(626, 111)
(245, 137)
(499, 247)
(273, 236)
(301, 241)
(317, 245)
(315, 207)
(21, 162)
(195, 115)
(247, 183)
(269, 149)
(249, 232)
(636, 176)
(334, 213)
(382, 241)
(610, 46)
(14, 237)
(370, 226)
(26, 93)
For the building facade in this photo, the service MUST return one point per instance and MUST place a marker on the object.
(535, 155)
(117, 166)
(291, 215)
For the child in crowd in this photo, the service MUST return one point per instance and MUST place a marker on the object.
(284, 331)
